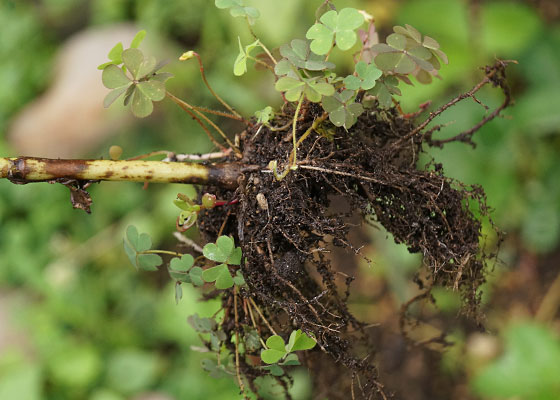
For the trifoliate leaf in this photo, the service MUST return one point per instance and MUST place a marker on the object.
(237, 8)
(276, 350)
(342, 109)
(300, 55)
(264, 115)
(178, 267)
(337, 26)
(240, 64)
(367, 75)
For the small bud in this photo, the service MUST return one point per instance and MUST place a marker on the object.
(187, 55)
(115, 152)
(208, 200)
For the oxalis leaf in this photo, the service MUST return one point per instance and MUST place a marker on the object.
(312, 88)
(179, 267)
(219, 274)
(342, 109)
(300, 55)
(135, 246)
(384, 90)
(237, 8)
(223, 251)
(276, 350)
(367, 75)
(240, 64)
(300, 341)
(337, 26)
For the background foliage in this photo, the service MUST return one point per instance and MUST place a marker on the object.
(88, 326)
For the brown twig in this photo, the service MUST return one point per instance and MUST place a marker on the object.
(494, 74)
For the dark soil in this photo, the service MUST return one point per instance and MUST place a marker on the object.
(287, 228)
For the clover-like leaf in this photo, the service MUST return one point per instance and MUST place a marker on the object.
(312, 88)
(276, 350)
(223, 251)
(300, 341)
(406, 52)
(238, 279)
(135, 246)
(264, 115)
(300, 55)
(179, 267)
(335, 26)
(202, 325)
(384, 91)
(237, 8)
(240, 64)
(195, 274)
(342, 109)
(219, 274)
(367, 75)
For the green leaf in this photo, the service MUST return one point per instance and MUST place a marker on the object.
(161, 77)
(202, 325)
(337, 26)
(300, 55)
(153, 90)
(141, 105)
(367, 75)
(274, 369)
(276, 350)
(300, 341)
(133, 59)
(146, 67)
(131, 253)
(322, 38)
(144, 242)
(178, 292)
(264, 115)
(238, 9)
(115, 55)
(113, 95)
(291, 87)
(220, 274)
(113, 77)
(342, 109)
(240, 64)
(221, 251)
(196, 276)
(528, 369)
(238, 279)
(291, 359)
(149, 262)
(137, 39)
(178, 267)
(283, 67)
(396, 41)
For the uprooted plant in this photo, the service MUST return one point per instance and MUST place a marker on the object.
(264, 204)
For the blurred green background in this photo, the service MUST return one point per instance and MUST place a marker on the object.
(78, 322)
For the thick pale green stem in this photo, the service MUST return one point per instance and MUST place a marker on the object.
(31, 169)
